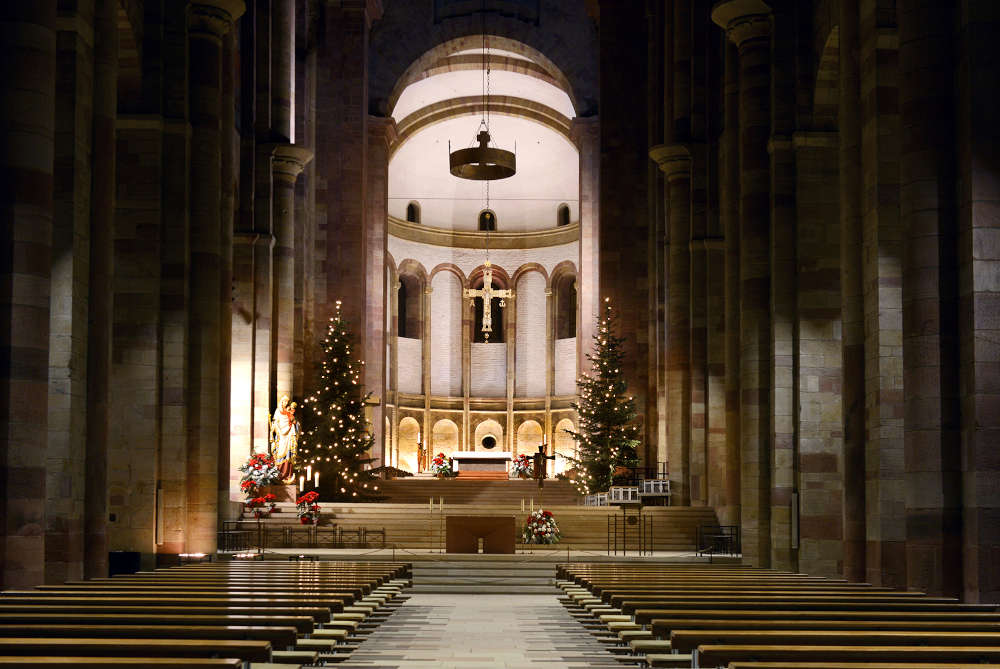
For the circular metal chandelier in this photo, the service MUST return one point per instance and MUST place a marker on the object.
(483, 162)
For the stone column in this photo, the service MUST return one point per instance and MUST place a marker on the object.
(748, 25)
(287, 163)
(229, 476)
(208, 22)
(979, 296)
(729, 203)
(698, 338)
(381, 135)
(99, 302)
(392, 378)
(882, 251)
(586, 135)
(550, 369)
(820, 418)
(425, 349)
(69, 287)
(928, 214)
(675, 161)
(851, 289)
(27, 112)
(241, 402)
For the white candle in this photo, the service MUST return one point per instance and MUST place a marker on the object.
(302, 483)
(522, 504)
(309, 471)
(532, 504)
(317, 479)
(430, 505)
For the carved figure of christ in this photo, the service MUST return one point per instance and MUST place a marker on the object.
(487, 292)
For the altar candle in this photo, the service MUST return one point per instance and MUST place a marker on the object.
(430, 505)
(317, 480)
(302, 483)
(441, 503)
(532, 504)
(522, 505)
(309, 472)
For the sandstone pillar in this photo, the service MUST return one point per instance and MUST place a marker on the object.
(979, 301)
(930, 298)
(748, 24)
(228, 475)
(882, 249)
(208, 22)
(819, 418)
(675, 161)
(27, 112)
(381, 135)
(287, 163)
(586, 135)
(852, 290)
(69, 287)
(729, 205)
(99, 302)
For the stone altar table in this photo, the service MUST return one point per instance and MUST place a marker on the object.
(481, 464)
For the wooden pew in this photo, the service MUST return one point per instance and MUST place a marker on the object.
(301, 624)
(857, 665)
(721, 655)
(279, 637)
(662, 627)
(248, 651)
(77, 662)
(154, 598)
(648, 616)
(318, 614)
(685, 641)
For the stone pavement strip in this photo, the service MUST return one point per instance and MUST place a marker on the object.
(472, 631)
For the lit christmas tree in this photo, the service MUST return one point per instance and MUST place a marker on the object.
(335, 435)
(608, 435)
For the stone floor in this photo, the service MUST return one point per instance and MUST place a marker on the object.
(473, 631)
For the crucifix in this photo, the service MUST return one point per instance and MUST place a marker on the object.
(487, 292)
(540, 459)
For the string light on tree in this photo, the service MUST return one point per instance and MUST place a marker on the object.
(334, 423)
(608, 436)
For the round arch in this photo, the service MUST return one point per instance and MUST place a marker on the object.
(564, 446)
(491, 428)
(529, 437)
(444, 437)
(409, 434)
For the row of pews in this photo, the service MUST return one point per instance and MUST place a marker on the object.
(230, 615)
(665, 615)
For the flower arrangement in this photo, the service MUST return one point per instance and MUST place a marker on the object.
(258, 471)
(541, 528)
(521, 466)
(441, 466)
(308, 508)
(262, 506)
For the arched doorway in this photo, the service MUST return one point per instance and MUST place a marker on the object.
(565, 446)
(409, 431)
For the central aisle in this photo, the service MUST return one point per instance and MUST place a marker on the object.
(432, 630)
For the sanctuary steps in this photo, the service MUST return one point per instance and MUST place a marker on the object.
(413, 526)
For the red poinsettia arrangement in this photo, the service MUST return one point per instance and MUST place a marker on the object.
(262, 506)
(259, 470)
(307, 508)
(521, 465)
(440, 465)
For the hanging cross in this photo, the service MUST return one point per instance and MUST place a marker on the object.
(487, 292)
(540, 459)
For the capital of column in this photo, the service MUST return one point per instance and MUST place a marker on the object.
(674, 160)
(288, 161)
(213, 18)
(383, 128)
(743, 20)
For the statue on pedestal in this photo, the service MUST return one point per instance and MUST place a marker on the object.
(285, 438)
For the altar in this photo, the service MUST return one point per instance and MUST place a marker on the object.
(481, 464)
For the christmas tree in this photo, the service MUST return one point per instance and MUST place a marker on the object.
(335, 434)
(608, 436)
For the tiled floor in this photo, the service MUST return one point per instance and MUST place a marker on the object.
(474, 631)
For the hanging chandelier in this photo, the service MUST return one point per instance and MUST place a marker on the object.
(483, 162)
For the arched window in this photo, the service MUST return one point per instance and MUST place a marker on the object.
(562, 215)
(565, 295)
(496, 313)
(413, 212)
(408, 302)
(487, 221)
